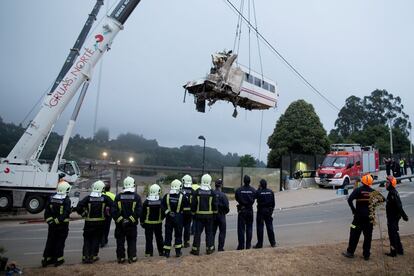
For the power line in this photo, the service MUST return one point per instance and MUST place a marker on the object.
(313, 88)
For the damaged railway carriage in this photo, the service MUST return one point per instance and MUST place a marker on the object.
(236, 84)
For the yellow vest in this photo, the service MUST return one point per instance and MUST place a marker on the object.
(110, 195)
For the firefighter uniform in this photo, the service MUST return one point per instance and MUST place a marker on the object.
(394, 212)
(108, 220)
(56, 214)
(173, 205)
(220, 218)
(94, 208)
(265, 206)
(126, 213)
(187, 217)
(151, 220)
(245, 197)
(204, 208)
(361, 221)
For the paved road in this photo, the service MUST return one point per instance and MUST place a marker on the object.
(324, 223)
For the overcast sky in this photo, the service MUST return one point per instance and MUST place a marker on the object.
(343, 48)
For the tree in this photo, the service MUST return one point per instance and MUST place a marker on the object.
(247, 161)
(102, 135)
(298, 130)
(351, 117)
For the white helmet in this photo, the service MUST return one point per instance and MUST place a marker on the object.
(63, 188)
(129, 184)
(206, 182)
(97, 188)
(175, 186)
(154, 192)
(187, 181)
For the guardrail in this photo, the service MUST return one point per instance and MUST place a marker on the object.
(379, 182)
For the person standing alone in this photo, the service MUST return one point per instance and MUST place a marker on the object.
(245, 197)
(265, 207)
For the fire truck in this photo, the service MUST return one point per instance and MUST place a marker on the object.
(24, 180)
(345, 164)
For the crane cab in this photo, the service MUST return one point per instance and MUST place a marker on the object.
(236, 84)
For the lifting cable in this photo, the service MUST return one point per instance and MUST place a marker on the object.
(276, 52)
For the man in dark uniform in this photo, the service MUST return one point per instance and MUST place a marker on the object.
(187, 217)
(151, 220)
(361, 222)
(94, 208)
(57, 213)
(220, 218)
(265, 207)
(173, 205)
(245, 197)
(126, 212)
(204, 208)
(394, 212)
(107, 192)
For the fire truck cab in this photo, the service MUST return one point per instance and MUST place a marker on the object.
(345, 164)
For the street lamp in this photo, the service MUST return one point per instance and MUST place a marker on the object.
(391, 146)
(130, 159)
(104, 155)
(201, 137)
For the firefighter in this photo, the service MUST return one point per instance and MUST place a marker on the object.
(188, 192)
(173, 205)
(107, 192)
(265, 206)
(151, 220)
(220, 218)
(204, 208)
(361, 221)
(126, 212)
(394, 212)
(56, 214)
(245, 197)
(94, 208)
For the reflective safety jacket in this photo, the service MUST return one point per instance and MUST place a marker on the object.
(57, 210)
(152, 212)
(95, 209)
(188, 192)
(204, 203)
(110, 195)
(174, 204)
(361, 195)
(127, 205)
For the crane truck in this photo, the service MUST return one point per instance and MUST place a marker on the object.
(26, 182)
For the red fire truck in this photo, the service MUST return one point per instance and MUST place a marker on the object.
(345, 164)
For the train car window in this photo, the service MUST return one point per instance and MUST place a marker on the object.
(272, 88)
(248, 78)
(265, 85)
(257, 82)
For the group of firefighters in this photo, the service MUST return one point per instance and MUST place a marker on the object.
(188, 208)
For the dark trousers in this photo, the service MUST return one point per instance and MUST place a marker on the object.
(220, 224)
(92, 235)
(265, 217)
(128, 233)
(202, 223)
(360, 224)
(394, 236)
(187, 227)
(388, 170)
(173, 224)
(245, 227)
(55, 244)
(150, 231)
(107, 228)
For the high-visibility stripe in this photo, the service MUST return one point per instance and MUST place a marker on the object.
(56, 221)
(94, 219)
(134, 204)
(49, 218)
(61, 210)
(132, 219)
(210, 200)
(180, 199)
(194, 248)
(119, 219)
(353, 226)
(60, 259)
(204, 213)
(178, 245)
(89, 210)
(148, 221)
(66, 220)
(103, 210)
(119, 205)
(167, 247)
(198, 204)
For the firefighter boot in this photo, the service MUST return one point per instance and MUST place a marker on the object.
(178, 252)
